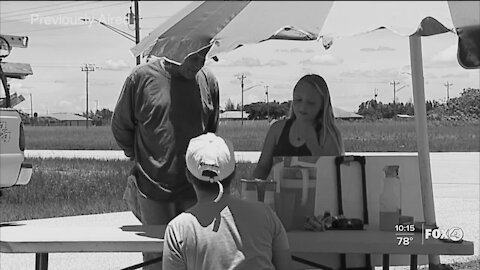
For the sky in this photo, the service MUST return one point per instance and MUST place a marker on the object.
(355, 68)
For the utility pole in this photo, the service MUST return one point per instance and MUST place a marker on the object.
(132, 18)
(375, 94)
(31, 105)
(394, 83)
(241, 77)
(96, 105)
(87, 68)
(137, 28)
(268, 107)
(448, 89)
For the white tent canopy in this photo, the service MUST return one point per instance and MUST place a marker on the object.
(230, 24)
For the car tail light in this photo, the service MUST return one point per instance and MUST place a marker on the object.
(21, 142)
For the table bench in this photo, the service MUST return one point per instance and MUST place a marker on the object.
(22, 237)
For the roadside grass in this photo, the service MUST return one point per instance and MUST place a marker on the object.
(69, 138)
(358, 136)
(69, 187)
(471, 264)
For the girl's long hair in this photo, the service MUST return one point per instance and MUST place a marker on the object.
(325, 121)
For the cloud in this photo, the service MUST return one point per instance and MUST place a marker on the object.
(274, 63)
(323, 60)
(457, 75)
(431, 76)
(308, 70)
(382, 74)
(378, 49)
(102, 83)
(294, 50)
(65, 103)
(15, 85)
(59, 81)
(249, 62)
(115, 65)
(234, 81)
(445, 58)
(247, 74)
(282, 86)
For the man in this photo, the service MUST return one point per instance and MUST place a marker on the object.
(163, 104)
(221, 231)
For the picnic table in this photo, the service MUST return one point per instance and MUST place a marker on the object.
(23, 237)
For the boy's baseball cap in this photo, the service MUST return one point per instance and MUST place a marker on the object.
(210, 158)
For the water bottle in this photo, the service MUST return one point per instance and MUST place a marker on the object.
(390, 199)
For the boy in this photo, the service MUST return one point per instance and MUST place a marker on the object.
(220, 231)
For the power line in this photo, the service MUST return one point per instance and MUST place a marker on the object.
(66, 12)
(33, 9)
(116, 30)
(157, 17)
(45, 29)
(53, 66)
(117, 4)
(29, 13)
(40, 30)
(22, 10)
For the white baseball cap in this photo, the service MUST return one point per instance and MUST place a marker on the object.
(210, 158)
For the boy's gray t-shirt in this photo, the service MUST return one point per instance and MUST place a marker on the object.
(230, 234)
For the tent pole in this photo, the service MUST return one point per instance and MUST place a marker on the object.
(416, 64)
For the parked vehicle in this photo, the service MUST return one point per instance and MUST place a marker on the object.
(14, 170)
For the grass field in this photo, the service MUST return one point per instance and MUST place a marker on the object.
(67, 187)
(358, 136)
(63, 187)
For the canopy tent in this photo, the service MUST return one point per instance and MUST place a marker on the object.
(231, 24)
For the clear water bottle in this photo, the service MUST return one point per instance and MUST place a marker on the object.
(390, 199)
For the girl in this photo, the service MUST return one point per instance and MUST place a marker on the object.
(308, 131)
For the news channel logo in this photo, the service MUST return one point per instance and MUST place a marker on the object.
(453, 234)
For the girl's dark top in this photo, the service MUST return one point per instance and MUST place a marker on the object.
(285, 148)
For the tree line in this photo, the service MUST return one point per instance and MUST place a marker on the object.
(465, 107)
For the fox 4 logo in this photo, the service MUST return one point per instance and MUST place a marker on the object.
(454, 234)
